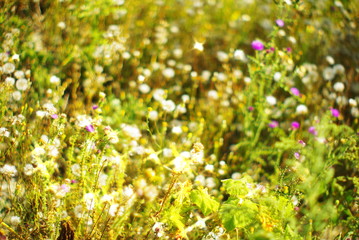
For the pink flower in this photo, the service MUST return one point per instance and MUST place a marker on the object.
(54, 116)
(295, 125)
(295, 91)
(257, 45)
(90, 128)
(297, 155)
(313, 131)
(273, 124)
(279, 22)
(302, 143)
(250, 108)
(335, 112)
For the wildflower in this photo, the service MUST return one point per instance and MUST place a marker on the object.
(222, 56)
(54, 116)
(19, 74)
(159, 94)
(90, 128)
(144, 88)
(279, 22)
(89, 199)
(16, 95)
(339, 87)
(158, 229)
(277, 76)
(257, 45)
(212, 94)
(301, 109)
(328, 74)
(250, 108)
(29, 169)
(55, 80)
(4, 132)
(15, 220)
(335, 112)
(302, 143)
(10, 81)
(295, 125)
(8, 68)
(295, 91)
(8, 170)
(313, 131)
(198, 46)
(168, 105)
(297, 155)
(22, 84)
(271, 100)
(240, 55)
(168, 73)
(273, 124)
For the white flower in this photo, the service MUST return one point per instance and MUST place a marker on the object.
(4, 132)
(167, 153)
(158, 229)
(76, 169)
(212, 94)
(113, 209)
(19, 74)
(10, 81)
(89, 199)
(78, 211)
(159, 94)
(153, 115)
(206, 75)
(330, 60)
(277, 76)
(8, 68)
(247, 80)
(168, 73)
(177, 53)
(339, 69)
(339, 86)
(15, 220)
(41, 114)
(29, 169)
(328, 74)
(168, 105)
(301, 109)
(55, 80)
(198, 46)
(222, 56)
(16, 95)
(38, 151)
(8, 170)
(177, 130)
(83, 120)
(144, 88)
(353, 102)
(240, 55)
(131, 131)
(271, 100)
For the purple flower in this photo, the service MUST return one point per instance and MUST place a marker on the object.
(297, 155)
(257, 45)
(279, 22)
(94, 107)
(54, 116)
(302, 142)
(273, 124)
(288, 49)
(73, 181)
(335, 112)
(295, 91)
(295, 125)
(250, 108)
(90, 128)
(313, 131)
(65, 188)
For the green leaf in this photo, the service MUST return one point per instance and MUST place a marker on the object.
(238, 215)
(236, 187)
(204, 201)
